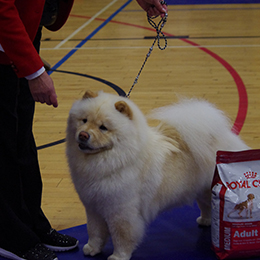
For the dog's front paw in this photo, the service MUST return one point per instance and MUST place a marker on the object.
(89, 250)
(204, 221)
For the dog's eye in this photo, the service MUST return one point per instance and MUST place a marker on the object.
(85, 120)
(102, 127)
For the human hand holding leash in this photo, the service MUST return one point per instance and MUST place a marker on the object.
(42, 90)
(154, 7)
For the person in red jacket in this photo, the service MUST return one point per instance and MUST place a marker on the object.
(25, 232)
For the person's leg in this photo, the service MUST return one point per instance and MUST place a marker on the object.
(15, 219)
(31, 176)
(28, 159)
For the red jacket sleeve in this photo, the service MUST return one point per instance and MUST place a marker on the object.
(19, 21)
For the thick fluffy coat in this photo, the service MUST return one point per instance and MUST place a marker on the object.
(126, 172)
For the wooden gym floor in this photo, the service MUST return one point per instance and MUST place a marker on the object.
(213, 53)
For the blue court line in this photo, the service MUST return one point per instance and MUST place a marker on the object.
(66, 57)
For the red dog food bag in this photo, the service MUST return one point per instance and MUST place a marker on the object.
(235, 228)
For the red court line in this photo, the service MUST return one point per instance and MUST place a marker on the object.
(243, 100)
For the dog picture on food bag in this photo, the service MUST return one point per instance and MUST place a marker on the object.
(241, 198)
(246, 206)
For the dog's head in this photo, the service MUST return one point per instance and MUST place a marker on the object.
(101, 121)
(250, 196)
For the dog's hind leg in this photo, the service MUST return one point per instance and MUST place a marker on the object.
(204, 203)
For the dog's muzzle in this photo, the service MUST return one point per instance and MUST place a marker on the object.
(83, 141)
(86, 147)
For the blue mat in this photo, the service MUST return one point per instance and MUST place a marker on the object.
(173, 235)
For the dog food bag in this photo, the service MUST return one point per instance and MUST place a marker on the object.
(235, 228)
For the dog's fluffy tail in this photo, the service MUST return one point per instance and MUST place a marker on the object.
(202, 126)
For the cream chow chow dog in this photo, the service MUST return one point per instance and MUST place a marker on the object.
(126, 172)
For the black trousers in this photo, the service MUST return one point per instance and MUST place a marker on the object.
(21, 218)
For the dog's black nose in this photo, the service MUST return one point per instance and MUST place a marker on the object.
(83, 136)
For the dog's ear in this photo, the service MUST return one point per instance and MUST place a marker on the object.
(89, 94)
(123, 108)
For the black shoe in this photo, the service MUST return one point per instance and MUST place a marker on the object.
(58, 242)
(39, 252)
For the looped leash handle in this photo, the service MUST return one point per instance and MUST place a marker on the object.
(158, 29)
